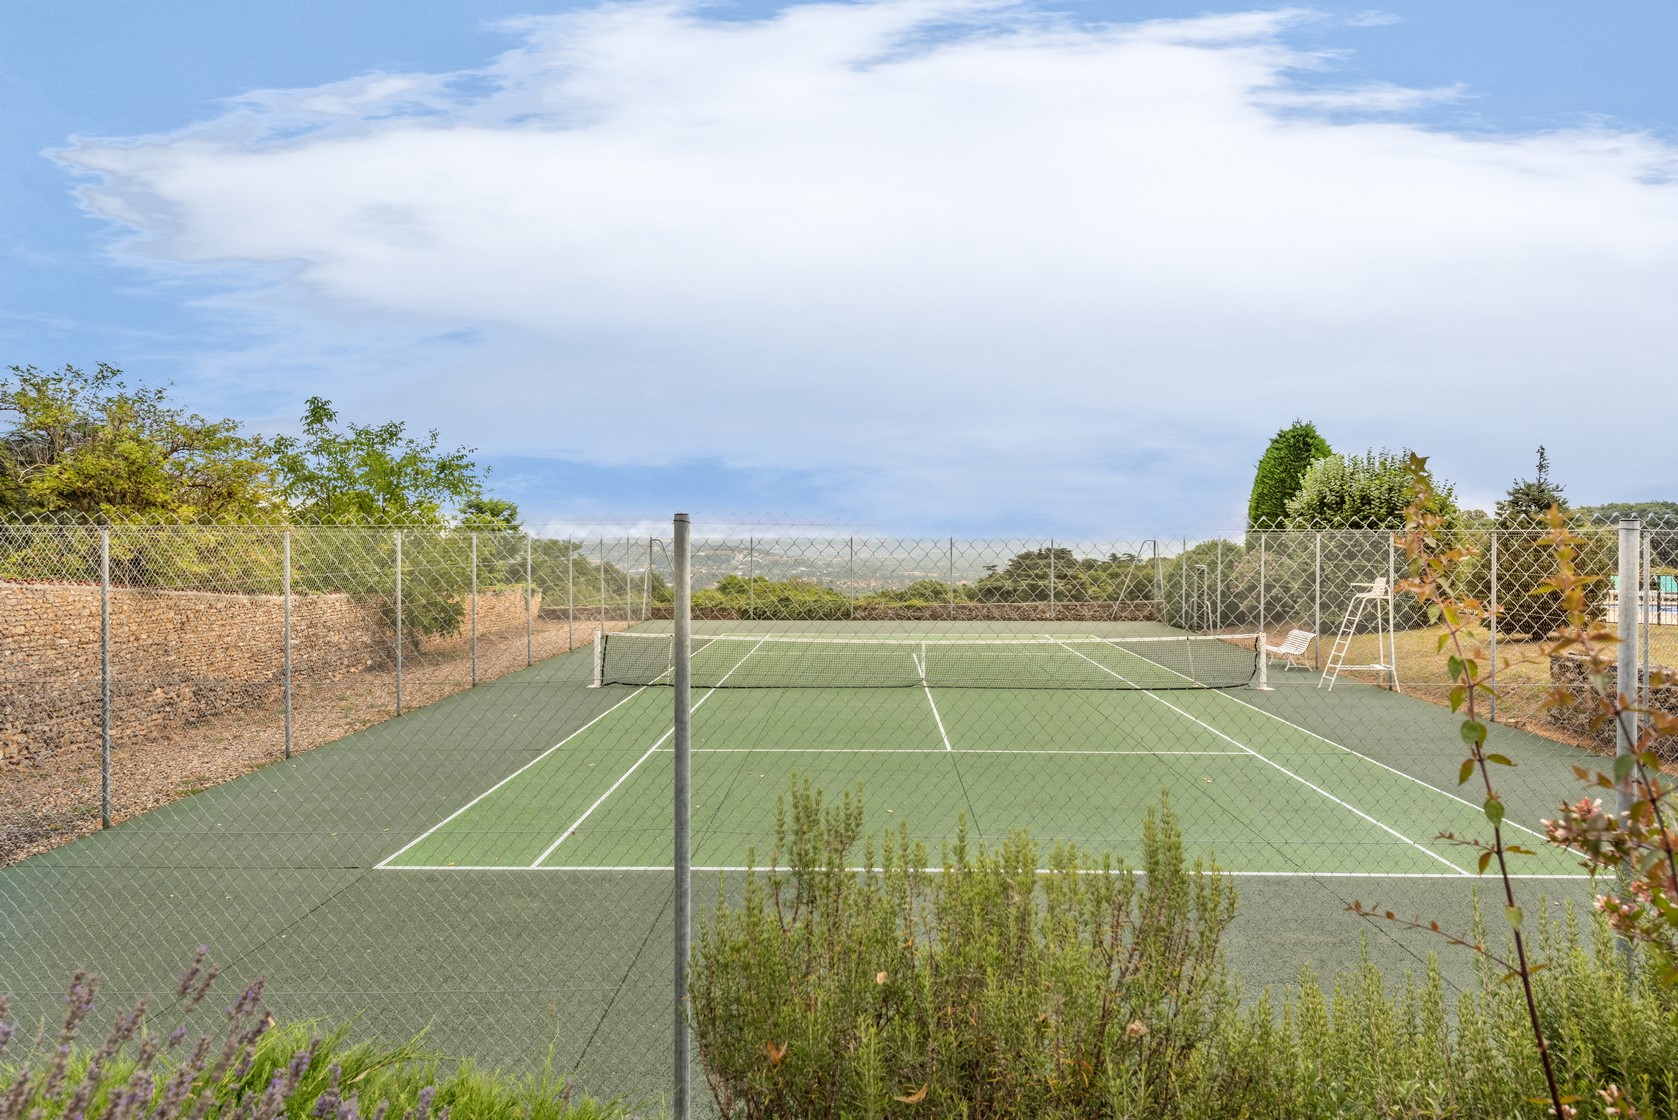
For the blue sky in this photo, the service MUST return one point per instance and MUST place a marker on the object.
(926, 265)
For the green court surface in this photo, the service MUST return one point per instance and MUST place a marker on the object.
(494, 868)
(1267, 795)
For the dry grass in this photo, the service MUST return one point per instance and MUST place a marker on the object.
(1523, 677)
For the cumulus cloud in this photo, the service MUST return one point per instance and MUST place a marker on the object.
(983, 261)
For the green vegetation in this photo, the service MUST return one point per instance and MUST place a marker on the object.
(146, 1070)
(1029, 577)
(1369, 491)
(1094, 990)
(988, 990)
(1280, 470)
(372, 474)
(1526, 558)
(88, 446)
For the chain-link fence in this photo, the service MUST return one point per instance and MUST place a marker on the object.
(423, 777)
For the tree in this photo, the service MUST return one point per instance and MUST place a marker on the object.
(1280, 470)
(1529, 502)
(1526, 559)
(490, 515)
(372, 474)
(86, 443)
(1369, 491)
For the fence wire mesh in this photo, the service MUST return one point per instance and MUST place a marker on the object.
(395, 771)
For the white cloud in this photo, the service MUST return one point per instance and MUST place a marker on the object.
(996, 262)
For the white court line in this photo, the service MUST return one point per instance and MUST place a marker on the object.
(945, 735)
(1278, 766)
(941, 750)
(667, 869)
(576, 824)
(380, 866)
(1355, 754)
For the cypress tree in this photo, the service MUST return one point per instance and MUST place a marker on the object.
(1280, 470)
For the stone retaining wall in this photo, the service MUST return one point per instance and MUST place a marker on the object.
(180, 656)
(1570, 672)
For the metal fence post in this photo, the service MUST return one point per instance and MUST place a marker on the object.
(682, 678)
(398, 622)
(1261, 638)
(529, 604)
(1051, 579)
(1317, 608)
(952, 575)
(571, 595)
(1220, 592)
(601, 629)
(1491, 616)
(286, 595)
(1626, 664)
(850, 577)
(474, 610)
(104, 678)
(751, 576)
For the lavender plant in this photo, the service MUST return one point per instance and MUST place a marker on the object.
(251, 1069)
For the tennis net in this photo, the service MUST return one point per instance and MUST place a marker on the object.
(792, 661)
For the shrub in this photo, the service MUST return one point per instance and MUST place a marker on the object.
(145, 1070)
(1370, 491)
(988, 990)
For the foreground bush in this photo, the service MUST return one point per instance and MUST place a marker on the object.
(987, 990)
(146, 1070)
(1087, 990)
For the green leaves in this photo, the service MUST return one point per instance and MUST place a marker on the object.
(1493, 809)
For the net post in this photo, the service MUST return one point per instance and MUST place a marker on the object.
(599, 677)
(474, 607)
(398, 622)
(285, 594)
(104, 678)
(1626, 662)
(682, 677)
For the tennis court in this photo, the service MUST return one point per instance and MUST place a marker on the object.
(1069, 731)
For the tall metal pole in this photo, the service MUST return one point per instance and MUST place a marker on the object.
(1159, 580)
(1317, 608)
(286, 595)
(601, 629)
(1491, 611)
(850, 576)
(398, 622)
(529, 603)
(1051, 579)
(1261, 639)
(104, 678)
(571, 595)
(1391, 655)
(751, 577)
(952, 574)
(1220, 578)
(474, 610)
(683, 678)
(1645, 599)
(1631, 531)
